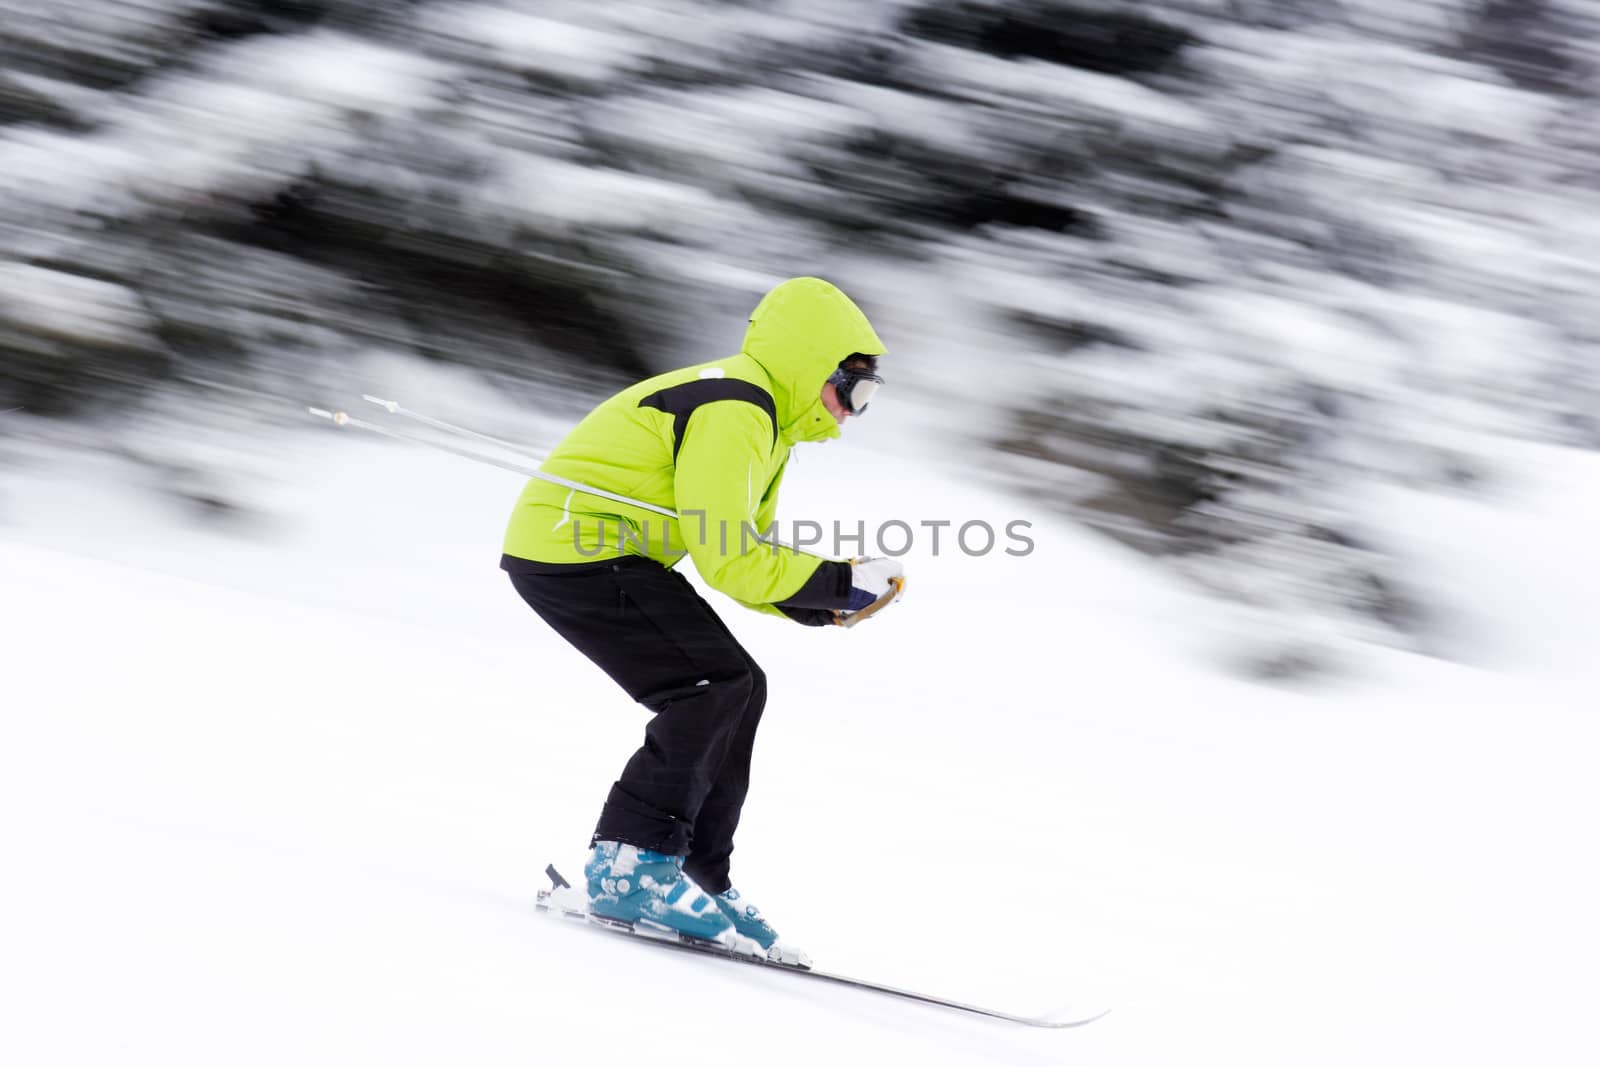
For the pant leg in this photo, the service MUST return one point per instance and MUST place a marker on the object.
(711, 849)
(647, 628)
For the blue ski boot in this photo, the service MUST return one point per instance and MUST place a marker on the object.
(747, 922)
(746, 918)
(634, 885)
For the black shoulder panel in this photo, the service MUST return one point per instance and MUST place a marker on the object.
(680, 401)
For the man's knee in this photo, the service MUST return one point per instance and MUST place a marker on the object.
(736, 689)
(758, 687)
(743, 690)
(744, 685)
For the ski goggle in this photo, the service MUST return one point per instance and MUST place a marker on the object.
(855, 388)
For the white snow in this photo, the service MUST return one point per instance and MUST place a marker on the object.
(250, 116)
(71, 305)
(568, 197)
(1033, 83)
(286, 798)
(528, 42)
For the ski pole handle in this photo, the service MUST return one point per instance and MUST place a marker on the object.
(847, 619)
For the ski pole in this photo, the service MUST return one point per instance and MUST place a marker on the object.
(341, 418)
(393, 407)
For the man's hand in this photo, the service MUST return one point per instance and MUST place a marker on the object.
(872, 579)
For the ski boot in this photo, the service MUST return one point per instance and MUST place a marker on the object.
(747, 922)
(633, 886)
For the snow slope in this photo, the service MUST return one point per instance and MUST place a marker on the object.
(285, 797)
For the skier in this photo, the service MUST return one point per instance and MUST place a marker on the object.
(709, 442)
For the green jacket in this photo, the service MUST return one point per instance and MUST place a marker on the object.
(709, 442)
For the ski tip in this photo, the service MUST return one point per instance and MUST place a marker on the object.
(391, 406)
(1056, 1021)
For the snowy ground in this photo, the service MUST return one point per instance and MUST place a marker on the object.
(284, 796)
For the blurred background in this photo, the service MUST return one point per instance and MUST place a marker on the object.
(1273, 294)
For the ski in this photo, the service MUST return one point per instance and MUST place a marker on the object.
(562, 900)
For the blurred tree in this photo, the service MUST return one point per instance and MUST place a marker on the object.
(1528, 41)
(1107, 38)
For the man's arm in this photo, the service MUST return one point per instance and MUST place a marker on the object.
(719, 486)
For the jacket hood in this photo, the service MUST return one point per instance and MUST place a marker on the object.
(799, 333)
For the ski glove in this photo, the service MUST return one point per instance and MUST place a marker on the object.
(871, 578)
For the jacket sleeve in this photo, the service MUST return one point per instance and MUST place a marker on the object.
(814, 604)
(767, 510)
(766, 515)
(719, 493)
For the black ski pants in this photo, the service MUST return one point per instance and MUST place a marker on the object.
(646, 627)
